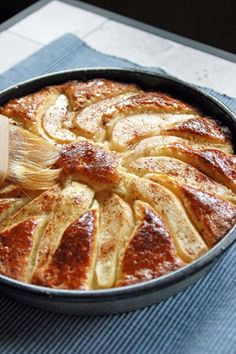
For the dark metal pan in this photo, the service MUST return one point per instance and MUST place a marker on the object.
(150, 292)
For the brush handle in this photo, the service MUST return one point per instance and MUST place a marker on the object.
(4, 147)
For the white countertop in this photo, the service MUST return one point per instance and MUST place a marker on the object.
(57, 18)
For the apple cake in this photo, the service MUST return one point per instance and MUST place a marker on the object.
(147, 185)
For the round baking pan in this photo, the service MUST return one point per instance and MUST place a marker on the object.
(132, 297)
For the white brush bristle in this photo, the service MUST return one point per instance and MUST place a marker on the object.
(30, 159)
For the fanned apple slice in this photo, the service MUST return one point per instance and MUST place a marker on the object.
(88, 122)
(54, 118)
(11, 190)
(212, 216)
(17, 247)
(188, 242)
(150, 253)
(82, 94)
(40, 206)
(90, 164)
(183, 173)
(200, 129)
(214, 163)
(29, 110)
(74, 200)
(130, 130)
(151, 146)
(153, 102)
(116, 223)
(71, 264)
(9, 206)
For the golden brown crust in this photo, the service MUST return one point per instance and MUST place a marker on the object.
(42, 205)
(70, 263)
(9, 206)
(213, 216)
(10, 190)
(154, 167)
(4, 205)
(29, 111)
(214, 163)
(91, 164)
(15, 246)
(82, 94)
(74, 199)
(188, 241)
(149, 101)
(25, 110)
(200, 129)
(150, 252)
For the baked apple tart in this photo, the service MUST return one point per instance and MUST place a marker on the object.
(147, 185)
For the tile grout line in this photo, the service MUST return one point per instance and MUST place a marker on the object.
(24, 37)
(93, 30)
(73, 32)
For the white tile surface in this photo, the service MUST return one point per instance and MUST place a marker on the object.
(55, 19)
(136, 45)
(149, 50)
(14, 49)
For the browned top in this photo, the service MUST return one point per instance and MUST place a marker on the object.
(214, 163)
(148, 101)
(224, 163)
(4, 205)
(199, 128)
(9, 190)
(128, 242)
(212, 216)
(15, 246)
(81, 94)
(90, 163)
(70, 264)
(25, 109)
(150, 253)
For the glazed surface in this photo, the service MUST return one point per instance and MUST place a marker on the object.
(147, 185)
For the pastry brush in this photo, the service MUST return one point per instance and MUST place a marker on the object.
(26, 158)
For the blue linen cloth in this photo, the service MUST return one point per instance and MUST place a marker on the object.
(200, 320)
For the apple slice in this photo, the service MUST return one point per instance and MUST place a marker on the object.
(70, 265)
(54, 118)
(73, 200)
(40, 206)
(17, 247)
(198, 129)
(130, 130)
(82, 94)
(212, 216)
(88, 122)
(9, 206)
(28, 111)
(150, 252)
(188, 242)
(116, 225)
(151, 146)
(214, 163)
(183, 173)
(153, 102)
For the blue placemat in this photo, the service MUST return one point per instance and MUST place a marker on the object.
(201, 320)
